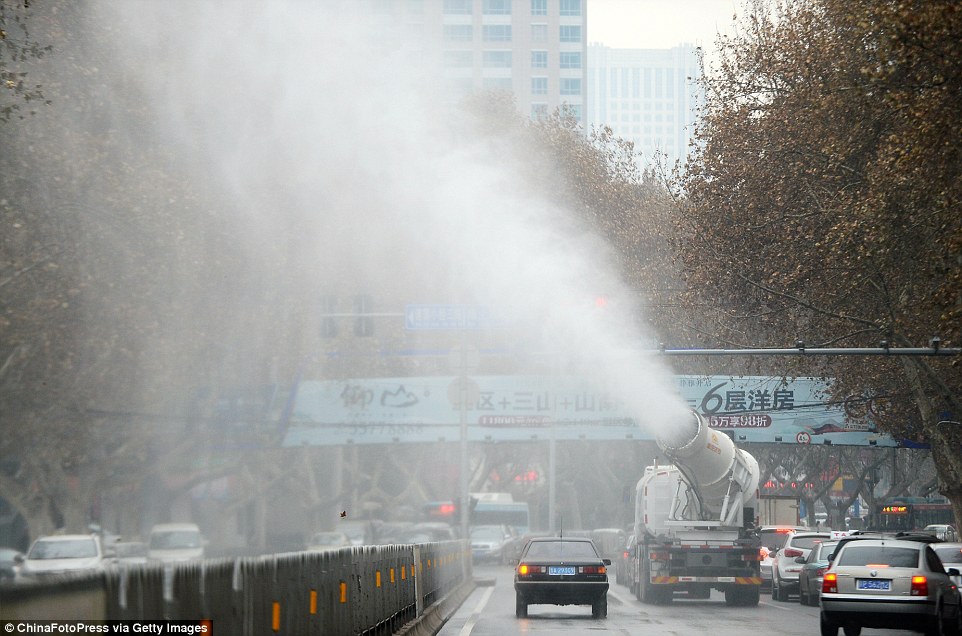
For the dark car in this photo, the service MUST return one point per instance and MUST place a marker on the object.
(888, 583)
(10, 560)
(951, 557)
(813, 568)
(561, 571)
(622, 573)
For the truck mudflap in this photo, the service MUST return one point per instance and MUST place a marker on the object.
(737, 580)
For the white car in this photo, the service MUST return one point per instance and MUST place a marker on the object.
(489, 543)
(173, 542)
(786, 563)
(772, 538)
(942, 532)
(62, 554)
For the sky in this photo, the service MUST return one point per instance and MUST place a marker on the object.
(658, 24)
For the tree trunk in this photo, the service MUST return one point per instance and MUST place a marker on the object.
(946, 441)
(945, 438)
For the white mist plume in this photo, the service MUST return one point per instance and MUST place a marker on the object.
(309, 122)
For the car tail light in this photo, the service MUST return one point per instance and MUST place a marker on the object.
(658, 556)
(624, 555)
(820, 571)
(793, 552)
(920, 586)
(524, 569)
(830, 583)
(593, 569)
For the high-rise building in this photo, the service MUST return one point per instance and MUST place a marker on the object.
(647, 96)
(537, 49)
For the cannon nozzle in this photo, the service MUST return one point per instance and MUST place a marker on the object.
(680, 434)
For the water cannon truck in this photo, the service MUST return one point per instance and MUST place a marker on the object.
(695, 520)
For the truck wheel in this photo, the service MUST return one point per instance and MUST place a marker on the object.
(661, 595)
(743, 595)
(599, 609)
(520, 607)
(643, 586)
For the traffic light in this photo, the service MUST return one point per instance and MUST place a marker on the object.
(328, 321)
(363, 320)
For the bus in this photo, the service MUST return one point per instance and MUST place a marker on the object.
(500, 508)
(486, 509)
(913, 513)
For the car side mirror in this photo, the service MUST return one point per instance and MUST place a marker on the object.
(18, 559)
(606, 561)
(799, 559)
(953, 572)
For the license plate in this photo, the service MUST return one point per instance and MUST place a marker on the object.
(872, 584)
(553, 570)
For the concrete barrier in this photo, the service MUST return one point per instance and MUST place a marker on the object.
(368, 590)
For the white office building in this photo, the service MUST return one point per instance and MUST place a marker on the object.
(537, 49)
(648, 96)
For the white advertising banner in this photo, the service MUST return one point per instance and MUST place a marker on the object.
(523, 408)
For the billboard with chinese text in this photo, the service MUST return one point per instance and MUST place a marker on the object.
(524, 408)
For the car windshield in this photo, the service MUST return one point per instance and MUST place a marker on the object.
(174, 539)
(561, 550)
(63, 549)
(608, 542)
(823, 550)
(806, 543)
(130, 550)
(883, 556)
(948, 554)
(773, 539)
(487, 534)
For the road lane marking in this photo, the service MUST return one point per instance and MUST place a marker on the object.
(618, 598)
(781, 606)
(476, 614)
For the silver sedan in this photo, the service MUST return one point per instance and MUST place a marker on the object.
(887, 583)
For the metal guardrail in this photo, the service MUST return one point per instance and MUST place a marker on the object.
(364, 590)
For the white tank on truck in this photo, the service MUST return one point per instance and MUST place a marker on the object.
(695, 519)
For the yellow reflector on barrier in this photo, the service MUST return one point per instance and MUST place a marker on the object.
(392, 575)
(276, 617)
(313, 601)
(377, 578)
(343, 592)
(404, 573)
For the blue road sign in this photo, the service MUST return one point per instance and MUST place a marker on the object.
(440, 317)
